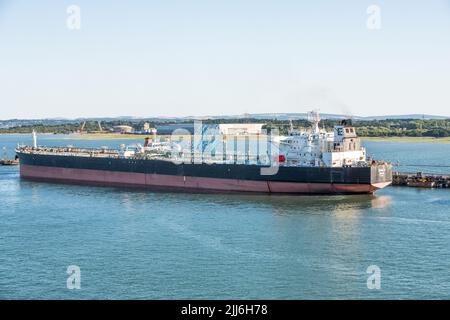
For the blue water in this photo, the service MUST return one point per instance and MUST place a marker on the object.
(136, 244)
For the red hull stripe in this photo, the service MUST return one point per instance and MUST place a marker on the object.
(115, 178)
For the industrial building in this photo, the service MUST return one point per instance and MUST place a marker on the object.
(225, 129)
(148, 129)
(241, 128)
(123, 129)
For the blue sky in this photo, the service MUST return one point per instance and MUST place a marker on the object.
(198, 57)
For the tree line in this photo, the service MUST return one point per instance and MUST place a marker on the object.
(373, 128)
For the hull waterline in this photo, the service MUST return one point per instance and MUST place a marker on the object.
(189, 183)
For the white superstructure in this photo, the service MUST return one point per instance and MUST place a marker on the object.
(318, 148)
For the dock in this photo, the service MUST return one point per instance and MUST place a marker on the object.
(4, 161)
(9, 162)
(420, 180)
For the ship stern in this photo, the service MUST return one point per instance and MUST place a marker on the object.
(380, 175)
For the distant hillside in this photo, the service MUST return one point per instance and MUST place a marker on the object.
(294, 116)
(406, 116)
(365, 126)
(330, 116)
(11, 123)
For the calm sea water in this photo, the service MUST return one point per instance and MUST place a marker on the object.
(136, 244)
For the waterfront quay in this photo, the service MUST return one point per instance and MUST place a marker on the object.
(420, 180)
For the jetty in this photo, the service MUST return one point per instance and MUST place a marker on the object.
(420, 180)
(4, 161)
(9, 162)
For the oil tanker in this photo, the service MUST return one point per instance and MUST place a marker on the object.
(312, 161)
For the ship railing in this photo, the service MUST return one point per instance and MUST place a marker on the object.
(240, 158)
(222, 159)
(69, 151)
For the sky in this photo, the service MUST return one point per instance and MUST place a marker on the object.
(223, 57)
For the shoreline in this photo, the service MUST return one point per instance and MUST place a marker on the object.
(409, 139)
(118, 136)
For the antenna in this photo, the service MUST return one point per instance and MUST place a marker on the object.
(33, 133)
(314, 118)
(154, 135)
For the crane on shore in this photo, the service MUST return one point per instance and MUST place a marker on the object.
(83, 126)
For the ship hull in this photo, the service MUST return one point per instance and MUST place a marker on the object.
(165, 175)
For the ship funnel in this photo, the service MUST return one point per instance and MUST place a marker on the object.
(33, 133)
(146, 141)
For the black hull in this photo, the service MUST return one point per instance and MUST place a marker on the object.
(231, 177)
